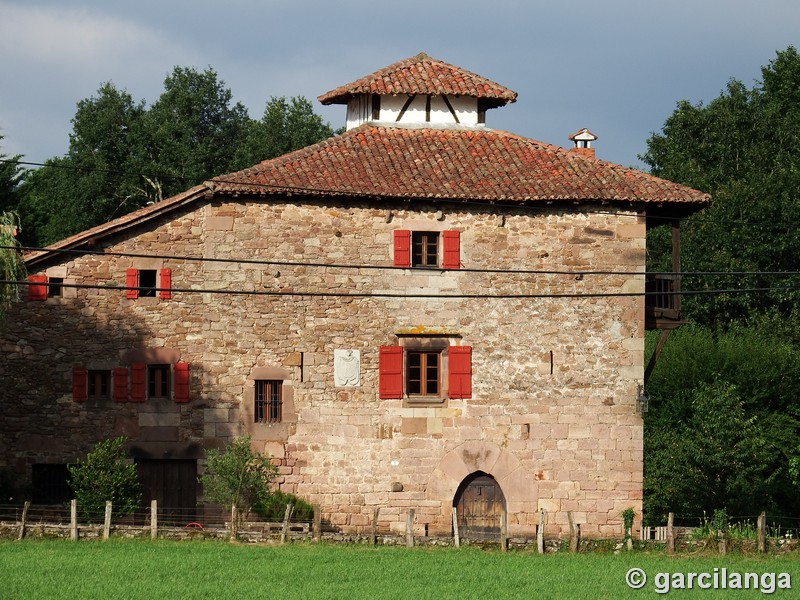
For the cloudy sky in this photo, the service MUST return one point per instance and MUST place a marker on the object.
(617, 67)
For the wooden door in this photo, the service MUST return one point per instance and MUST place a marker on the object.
(173, 483)
(479, 503)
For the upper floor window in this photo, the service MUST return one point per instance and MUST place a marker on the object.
(144, 283)
(430, 249)
(422, 373)
(158, 381)
(268, 406)
(99, 384)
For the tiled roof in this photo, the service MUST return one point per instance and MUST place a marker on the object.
(422, 74)
(453, 163)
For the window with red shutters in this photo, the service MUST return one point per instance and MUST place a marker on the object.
(120, 384)
(390, 372)
(427, 249)
(459, 383)
(181, 393)
(37, 287)
(79, 384)
(138, 382)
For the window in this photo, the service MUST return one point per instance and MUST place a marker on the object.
(268, 402)
(144, 283)
(427, 249)
(424, 249)
(99, 384)
(54, 287)
(417, 373)
(422, 373)
(158, 381)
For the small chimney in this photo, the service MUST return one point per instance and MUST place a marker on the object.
(583, 142)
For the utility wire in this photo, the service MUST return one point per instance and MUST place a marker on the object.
(379, 294)
(281, 263)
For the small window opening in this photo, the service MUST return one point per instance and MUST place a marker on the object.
(268, 401)
(147, 281)
(158, 381)
(54, 287)
(99, 384)
(424, 249)
(422, 373)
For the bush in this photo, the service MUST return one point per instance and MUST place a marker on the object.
(106, 475)
(274, 507)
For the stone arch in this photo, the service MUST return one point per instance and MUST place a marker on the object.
(518, 486)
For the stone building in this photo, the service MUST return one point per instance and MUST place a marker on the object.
(421, 312)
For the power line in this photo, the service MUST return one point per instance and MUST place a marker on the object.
(283, 263)
(378, 294)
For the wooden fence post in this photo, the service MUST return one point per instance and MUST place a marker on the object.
(286, 516)
(456, 537)
(234, 523)
(22, 524)
(107, 521)
(540, 533)
(73, 520)
(153, 519)
(374, 528)
(410, 528)
(574, 534)
(762, 532)
(316, 533)
(503, 530)
(670, 534)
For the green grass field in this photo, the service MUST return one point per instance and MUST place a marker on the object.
(42, 569)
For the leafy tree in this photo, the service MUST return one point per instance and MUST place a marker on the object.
(285, 126)
(237, 476)
(12, 267)
(742, 148)
(106, 475)
(192, 131)
(11, 176)
(723, 424)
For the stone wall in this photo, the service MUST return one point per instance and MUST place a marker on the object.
(552, 414)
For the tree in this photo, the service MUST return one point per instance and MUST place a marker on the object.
(106, 475)
(192, 131)
(284, 127)
(741, 148)
(11, 176)
(12, 266)
(237, 476)
(722, 426)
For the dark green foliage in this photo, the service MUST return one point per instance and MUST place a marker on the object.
(742, 149)
(237, 476)
(11, 176)
(105, 475)
(123, 155)
(722, 425)
(274, 507)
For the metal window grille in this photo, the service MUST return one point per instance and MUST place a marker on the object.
(268, 402)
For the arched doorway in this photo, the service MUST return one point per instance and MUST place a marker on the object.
(479, 502)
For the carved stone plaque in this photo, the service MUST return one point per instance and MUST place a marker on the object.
(347, 368)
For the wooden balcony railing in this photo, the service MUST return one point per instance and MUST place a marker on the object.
(663, 301)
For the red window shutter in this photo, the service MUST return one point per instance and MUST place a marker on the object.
(132, 281)
(138, 382)
(120, 384)
(402, 248)
(165, 284)
(181, 382)
(79, 385)
(37, 287)
(451, 245)
(390, 372)
(459, 370)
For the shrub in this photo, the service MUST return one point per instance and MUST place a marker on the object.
(105, 475)
(274, 507)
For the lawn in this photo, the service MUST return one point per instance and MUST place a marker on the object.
(43, 569)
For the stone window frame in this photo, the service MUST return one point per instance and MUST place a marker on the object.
(269, 431)
(430, 344)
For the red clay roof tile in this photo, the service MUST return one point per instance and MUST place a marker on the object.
(452, 163)
(422, 74)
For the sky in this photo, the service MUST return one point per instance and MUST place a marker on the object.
(617, 67)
